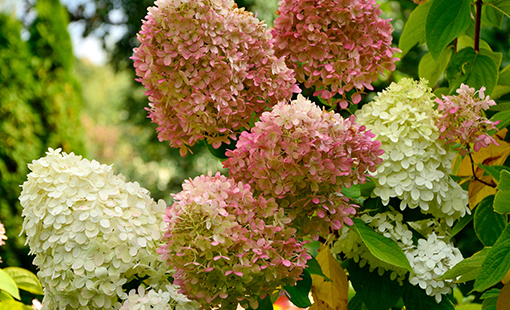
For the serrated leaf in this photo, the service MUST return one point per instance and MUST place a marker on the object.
(381, 247)
(326, 294)
(8, 285)
(497, 263)
(472, 68)
(431, 69)
(501, 203)
(298, 294)
(25, 280)
(416, 299)
(414, 28)
(470, 265)
(446, 20)
(504, 298)
(377, 292)
(488, 224)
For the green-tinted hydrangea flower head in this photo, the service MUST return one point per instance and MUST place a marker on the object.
(228, 247)
(416, 163)
(90, 231)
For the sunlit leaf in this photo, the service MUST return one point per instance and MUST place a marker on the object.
(8, 285)
(25, 280)
(381, 247)
(329, 295)
(414, 28)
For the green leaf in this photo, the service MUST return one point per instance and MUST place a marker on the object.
(263, 304)
(298, 294)
(416, 299)
(5, 296)
(497, 263)
(315, 268)
(352, 192)
(500, 90)
(493, 292)
(14, 305)
(367, 188)
(25, 280)
(473, 69)
(431, 69)
(501, 106)
(504, 76)
(441, 91)
(491, 16)
(381, 247)
(446, 20)
(377, 292)
(503, 117)
(414, 28)
(494, 171)
(501, 203)
(467, 268)
(467, 41)
(488, 224)
(7, 284)
(500, 5)
(462, 223)
(490, 303)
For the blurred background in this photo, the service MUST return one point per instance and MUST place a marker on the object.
(66, 81)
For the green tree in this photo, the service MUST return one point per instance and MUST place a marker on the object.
(40, 104)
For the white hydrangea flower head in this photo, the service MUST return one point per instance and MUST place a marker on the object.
(431, 259)
(162, 299)
(389, 224)
(416, 163)
(90, 231)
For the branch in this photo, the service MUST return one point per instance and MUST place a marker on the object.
(474, 173)
(477, 24)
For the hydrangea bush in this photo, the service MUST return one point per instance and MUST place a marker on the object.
(372, 186)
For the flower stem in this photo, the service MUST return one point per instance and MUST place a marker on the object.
(474, 173)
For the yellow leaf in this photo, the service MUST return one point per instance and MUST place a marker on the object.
(329, 295)
(506, 279)
(492, 155)
(504, 298)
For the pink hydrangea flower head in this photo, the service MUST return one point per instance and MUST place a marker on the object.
(228, 247)
(334, 45)
(208, 68)
(462, 119)
(301, 156)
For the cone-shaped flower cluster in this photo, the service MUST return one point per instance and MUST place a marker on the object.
(228, 247)
(431, 258)
(302, 156)
(208, 68)
(90, 231)
(462, 119)
(334, 46)
(417, 163)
